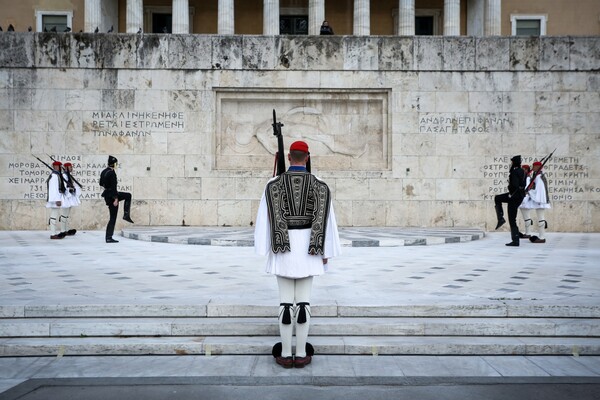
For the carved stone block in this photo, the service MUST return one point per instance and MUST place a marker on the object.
(554, 53)
(585, 53)
(524, 53)
(396, 53)
(492, 53)
(349, 128)
(459, 54)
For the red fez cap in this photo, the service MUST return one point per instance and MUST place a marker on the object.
(68, 164)
(299, 146)
(56, 163)
(537, 164)
(524, 166)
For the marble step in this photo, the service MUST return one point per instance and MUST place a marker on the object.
(262, 345)
(320, 326)
(491, 309)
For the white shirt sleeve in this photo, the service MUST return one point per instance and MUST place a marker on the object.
(262, 230)
(332, 246)
(54, 194)
(539, 193)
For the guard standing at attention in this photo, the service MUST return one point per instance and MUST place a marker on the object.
(296, 228)
(55, 200)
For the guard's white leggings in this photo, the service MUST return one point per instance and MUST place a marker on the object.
(529, 223)
(64, 218)
(294, 291)
(54, 216)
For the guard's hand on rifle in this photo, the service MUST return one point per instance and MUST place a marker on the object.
(116, 203)
(58, 203)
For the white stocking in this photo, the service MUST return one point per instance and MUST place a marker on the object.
(527, 220)
(286, 331)
(64, 219)
(541, 222)
(54, 215)
(303, 291)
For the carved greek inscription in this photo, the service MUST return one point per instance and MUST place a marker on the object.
(29, 178)
(564, 176)
(133, 123)
(464, 123)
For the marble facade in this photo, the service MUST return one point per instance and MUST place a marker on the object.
(408, 131)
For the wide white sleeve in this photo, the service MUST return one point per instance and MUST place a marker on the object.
(54, 194)
(539, 193)
(262, 230)
(332, 246)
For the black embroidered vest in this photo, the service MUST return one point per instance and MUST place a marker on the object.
(297, 200)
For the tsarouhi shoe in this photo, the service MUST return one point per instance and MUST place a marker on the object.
(285, 362)
(127, 218)
(515, 244)
(111, 240)
(301, 362)
(71, 232)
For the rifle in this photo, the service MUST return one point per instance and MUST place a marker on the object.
(279, 166)
(62, 181)
(52, 169)
(535, 173)
(67, 172)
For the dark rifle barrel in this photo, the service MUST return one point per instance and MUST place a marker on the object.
(68, 173)
(279, 156)
(535, 174)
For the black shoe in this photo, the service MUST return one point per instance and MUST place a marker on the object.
(57, 236)
(501, 222)
(111, 240)
(516, 244)
(127, 218)
(71, 232)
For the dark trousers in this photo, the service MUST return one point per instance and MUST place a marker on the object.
(113, 210)
(513, 202)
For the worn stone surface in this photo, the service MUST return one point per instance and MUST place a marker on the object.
(421, 128)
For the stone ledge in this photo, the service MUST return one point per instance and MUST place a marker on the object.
(356, 345)
(349, 237)
(300, 53)
(498, 309)
(268, 326)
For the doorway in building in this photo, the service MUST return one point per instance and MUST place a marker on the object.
(424, 25)
(162, 23)
(293, 25)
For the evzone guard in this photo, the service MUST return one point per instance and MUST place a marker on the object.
(537, 199)
(71, 198)
(296, 228)
(56, 200)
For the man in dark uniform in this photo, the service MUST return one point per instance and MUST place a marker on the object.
(112, 196)
(514, 197)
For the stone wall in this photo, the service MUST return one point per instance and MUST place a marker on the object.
(407, 131)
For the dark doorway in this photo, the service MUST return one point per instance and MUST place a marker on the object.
(424, 25)
(162, 23)
(293, 25)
